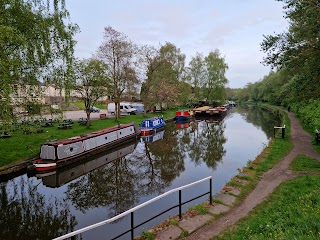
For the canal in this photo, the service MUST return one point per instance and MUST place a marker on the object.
(48, 205)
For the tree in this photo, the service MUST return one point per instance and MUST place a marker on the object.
(118, 52)
(36, 42)
(215, 80)
(92, 82)
(196, 73)
(149, 62)
(298, 49)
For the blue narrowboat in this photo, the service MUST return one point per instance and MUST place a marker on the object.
(151, 125)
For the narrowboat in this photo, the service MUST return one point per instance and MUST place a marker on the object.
(61, 176)
(182, 115)
(222, 110)
(206, 110)
(58, 152)
(152, 125)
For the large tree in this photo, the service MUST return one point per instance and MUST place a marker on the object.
(298, 49)
(215, 79)
(91, 82)
(149, 62)
(118, 52)
(36, 42)
(196, 73)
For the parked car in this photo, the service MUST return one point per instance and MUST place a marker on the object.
(94, 109)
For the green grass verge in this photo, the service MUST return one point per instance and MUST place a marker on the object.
(305, 163)
(291, 212)
(21, 146)
(80, 105)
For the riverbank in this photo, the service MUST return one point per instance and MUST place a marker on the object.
(241, 195)
(18, 152)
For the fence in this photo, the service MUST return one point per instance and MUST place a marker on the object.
(132, 210)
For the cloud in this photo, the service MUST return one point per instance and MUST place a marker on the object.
(234, 27)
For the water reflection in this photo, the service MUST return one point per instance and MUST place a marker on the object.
(118, 180)
(260, 117)
(154, 137)
(27, 214)
(66, 174)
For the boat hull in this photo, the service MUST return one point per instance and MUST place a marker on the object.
(59, 153)
(151, 126)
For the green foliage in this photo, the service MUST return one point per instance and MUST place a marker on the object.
(309, 113)
(36, 44)
(91, 82)
(291, 212)
(297, 51)
(215, 76)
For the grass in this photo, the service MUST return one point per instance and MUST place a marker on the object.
(200, 209)
(80, 105)
(291, 212)
(305, 163)
(25, 146)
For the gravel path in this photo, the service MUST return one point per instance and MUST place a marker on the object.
(269, 181)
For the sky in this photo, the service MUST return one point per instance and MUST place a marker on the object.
(234, 27)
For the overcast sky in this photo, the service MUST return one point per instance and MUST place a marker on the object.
(235, 27)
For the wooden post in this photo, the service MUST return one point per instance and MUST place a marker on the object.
(317, 136)
(283, 130)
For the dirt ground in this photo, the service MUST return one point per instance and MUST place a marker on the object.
(269, 181)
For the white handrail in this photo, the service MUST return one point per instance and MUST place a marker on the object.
(128, 211)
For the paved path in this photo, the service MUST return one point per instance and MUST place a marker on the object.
(269, 181)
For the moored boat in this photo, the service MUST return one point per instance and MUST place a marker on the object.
(61, 176)
(206, 110)
(152, 125)
(182, 115)
(59, 152)
(222, 110)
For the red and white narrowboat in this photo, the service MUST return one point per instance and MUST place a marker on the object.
(59, 152)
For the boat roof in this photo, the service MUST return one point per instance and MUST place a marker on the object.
(87, 135)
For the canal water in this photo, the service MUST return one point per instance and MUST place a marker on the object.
(49, 205)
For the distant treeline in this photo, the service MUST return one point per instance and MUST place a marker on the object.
(294, 56)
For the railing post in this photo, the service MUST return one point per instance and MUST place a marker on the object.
(210, 197)
(180, 214)
(132, 227)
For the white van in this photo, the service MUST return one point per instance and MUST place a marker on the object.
(125, 109)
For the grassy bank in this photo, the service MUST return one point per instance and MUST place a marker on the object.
(24, 146)
(291, 212)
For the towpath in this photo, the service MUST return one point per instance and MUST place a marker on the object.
(199, 227)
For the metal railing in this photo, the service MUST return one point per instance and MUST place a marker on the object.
(132, 210)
